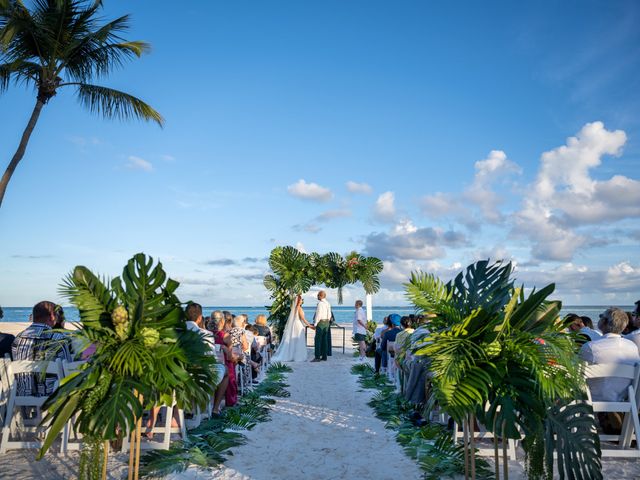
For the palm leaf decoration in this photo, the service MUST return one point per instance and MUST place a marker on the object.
(502, 356)
(65, 44)
(144, 353)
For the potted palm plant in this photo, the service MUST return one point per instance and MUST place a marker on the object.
(501, 358)
(144, 355)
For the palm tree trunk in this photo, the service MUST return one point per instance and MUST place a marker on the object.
(21, 148)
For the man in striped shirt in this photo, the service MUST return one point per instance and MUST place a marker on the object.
(39, 342)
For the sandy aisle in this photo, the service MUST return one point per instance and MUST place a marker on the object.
(324, 430)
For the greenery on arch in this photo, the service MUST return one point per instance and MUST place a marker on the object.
(295, 272)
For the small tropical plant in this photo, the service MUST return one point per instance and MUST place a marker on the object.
(63, 43)
(501, 357)
(144, 354)
(295, 272)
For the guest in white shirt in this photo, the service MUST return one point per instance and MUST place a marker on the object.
(611, 348)
(360, 328)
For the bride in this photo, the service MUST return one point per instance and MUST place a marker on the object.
(293, 345)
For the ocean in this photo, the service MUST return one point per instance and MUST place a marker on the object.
(343, 314)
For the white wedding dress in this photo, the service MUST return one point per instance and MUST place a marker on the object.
(293, 345)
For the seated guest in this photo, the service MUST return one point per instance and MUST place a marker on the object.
(611, 348)
(212, 325)
(228, 320)
(634, 334)
(263, 329)
(39, 342)
(403, 339)
(6, 339)
(580, 325)
(195, 323)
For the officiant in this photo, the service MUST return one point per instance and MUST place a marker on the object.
(322, 318)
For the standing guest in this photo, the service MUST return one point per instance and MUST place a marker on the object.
(322, 320)
(386, 325)
(39, 342)
(390, 336)
(360, 328)
(611, 348)
(1, 313)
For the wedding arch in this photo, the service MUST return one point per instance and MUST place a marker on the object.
(295, 272)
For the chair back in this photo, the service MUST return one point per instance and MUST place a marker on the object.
(618, 370)
(53, 367)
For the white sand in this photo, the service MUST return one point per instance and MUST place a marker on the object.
(324, 430)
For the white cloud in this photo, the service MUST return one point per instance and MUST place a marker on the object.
(494, 169)
(300, 247)
(384, 209)
(307, 227)
(574, 279)
(565, 197)
(407, 242)
(137, 163)
(333, 214)
(355, 187)
(168, 158)
(310, 191)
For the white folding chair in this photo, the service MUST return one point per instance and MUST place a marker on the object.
(483, 434)
(263, 348)
(67, 369)
(392, 369)
(4, 388)
(629, 406)
(16, 401)
(165, 429)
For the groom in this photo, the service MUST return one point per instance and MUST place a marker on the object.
(322, 317)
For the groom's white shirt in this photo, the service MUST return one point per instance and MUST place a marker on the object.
(323, 311)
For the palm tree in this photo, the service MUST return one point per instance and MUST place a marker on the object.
(61, 43)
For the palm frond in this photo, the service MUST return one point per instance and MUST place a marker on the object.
(112, 103)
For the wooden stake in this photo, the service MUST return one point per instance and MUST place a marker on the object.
(138, 434)
(132, 447)
(496, 453)
(465, 442)
(472, 449)
(505, 460)
(105, 459)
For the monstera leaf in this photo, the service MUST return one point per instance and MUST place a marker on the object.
(144, 353)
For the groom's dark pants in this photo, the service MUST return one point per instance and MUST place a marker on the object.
(321, 341)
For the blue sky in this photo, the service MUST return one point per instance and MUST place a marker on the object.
(452, 121)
